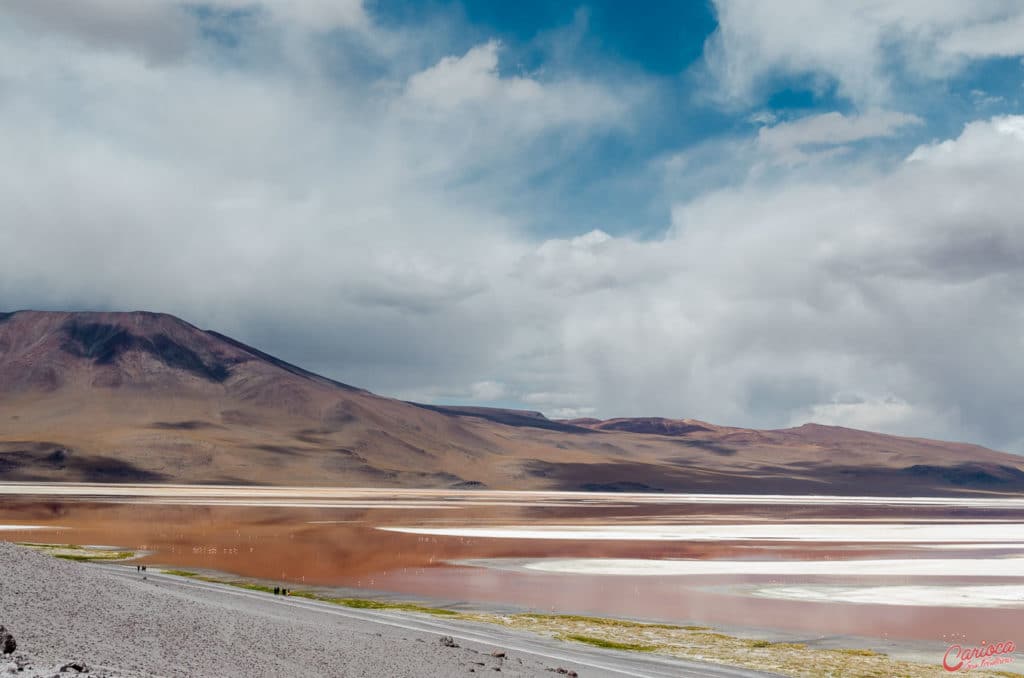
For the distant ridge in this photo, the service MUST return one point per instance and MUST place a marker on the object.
(147, 397)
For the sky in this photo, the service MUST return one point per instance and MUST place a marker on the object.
(755, 214)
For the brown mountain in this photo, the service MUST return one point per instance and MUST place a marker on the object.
(148, 397)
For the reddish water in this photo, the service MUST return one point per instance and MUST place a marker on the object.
(342, 547)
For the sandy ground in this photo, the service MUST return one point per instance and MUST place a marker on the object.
(60, 612)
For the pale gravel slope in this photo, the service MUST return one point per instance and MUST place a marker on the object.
(61, 611)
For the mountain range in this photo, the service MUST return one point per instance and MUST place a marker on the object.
(147, 397)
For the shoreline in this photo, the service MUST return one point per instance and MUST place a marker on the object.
(314, 494)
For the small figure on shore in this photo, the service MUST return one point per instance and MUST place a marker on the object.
(277, 590)
(284, 592)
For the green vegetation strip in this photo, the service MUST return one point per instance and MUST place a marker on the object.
(603, 621)
(609, 644)
(88, 558)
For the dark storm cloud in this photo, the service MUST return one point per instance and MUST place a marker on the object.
(158, 31)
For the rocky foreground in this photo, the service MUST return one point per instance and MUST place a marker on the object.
(74, 619)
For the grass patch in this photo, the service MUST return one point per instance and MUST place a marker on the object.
(858, 653)
(365, 604)
(81, 554)
(608, 644)
(181, 573)
(88, 558)
(600, 621)
(253, 587)
(778, 645)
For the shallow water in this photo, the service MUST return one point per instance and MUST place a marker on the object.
(456, 547)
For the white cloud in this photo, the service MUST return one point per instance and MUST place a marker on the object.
(1000, 37)
(472, 87)
(763, 118)
(484, 391)
(876, 414)
(831, 129)
(856, 43)
(570, 412)
(455, 81)
(550, 399)
(559, 405)
(983, 99)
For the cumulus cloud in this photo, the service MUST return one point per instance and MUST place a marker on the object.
(470, 89)
(855, 44)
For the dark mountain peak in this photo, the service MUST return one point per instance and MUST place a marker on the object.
(42, 348)
(104, 343)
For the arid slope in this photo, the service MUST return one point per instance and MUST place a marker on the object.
(148, 397)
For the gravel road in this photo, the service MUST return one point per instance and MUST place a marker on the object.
(120, 625)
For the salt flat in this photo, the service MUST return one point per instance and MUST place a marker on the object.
(949, 567)
(986, 595)
(904, 533)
